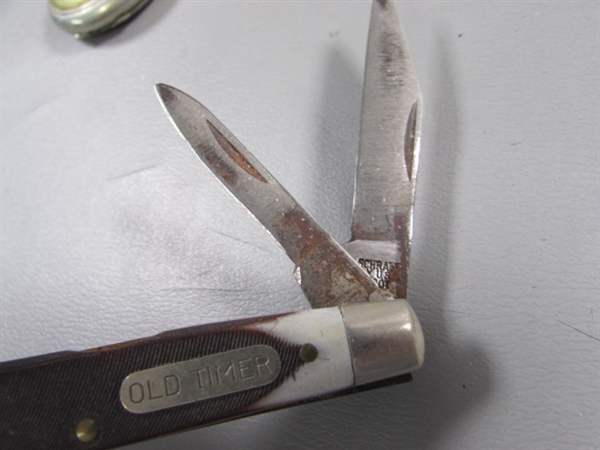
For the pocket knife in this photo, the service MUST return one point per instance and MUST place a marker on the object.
(359, 333)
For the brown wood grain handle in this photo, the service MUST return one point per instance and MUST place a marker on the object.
(74, 399)
(124, 393)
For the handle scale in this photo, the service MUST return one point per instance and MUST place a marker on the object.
(42, 404)
(115, 395)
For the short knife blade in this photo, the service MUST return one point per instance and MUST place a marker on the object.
(327, 274)
(388, 155)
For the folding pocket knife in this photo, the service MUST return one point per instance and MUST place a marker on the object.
(360, 331)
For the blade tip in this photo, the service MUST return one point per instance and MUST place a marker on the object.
(385, 4)
(165, 92)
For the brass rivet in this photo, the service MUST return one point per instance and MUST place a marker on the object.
(308, 353)
(87, 430)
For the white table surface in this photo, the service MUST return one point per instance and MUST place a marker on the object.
(112, 229)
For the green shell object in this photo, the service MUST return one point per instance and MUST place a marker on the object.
(85, 18)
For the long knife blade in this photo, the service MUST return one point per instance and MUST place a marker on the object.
(388, 155)
(327, 274)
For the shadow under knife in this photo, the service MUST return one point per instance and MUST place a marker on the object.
(457, 374)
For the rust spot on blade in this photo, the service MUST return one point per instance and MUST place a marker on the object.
(234, 153)
(216, 163)
(328, 276)
(305, 239)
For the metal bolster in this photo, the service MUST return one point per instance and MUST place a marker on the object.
(385, 339)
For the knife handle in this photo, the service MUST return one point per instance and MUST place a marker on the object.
(182, 379)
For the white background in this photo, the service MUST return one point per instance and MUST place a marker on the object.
(112, 229)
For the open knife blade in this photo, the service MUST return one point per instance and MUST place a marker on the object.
(327, 274)
(388, 155)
